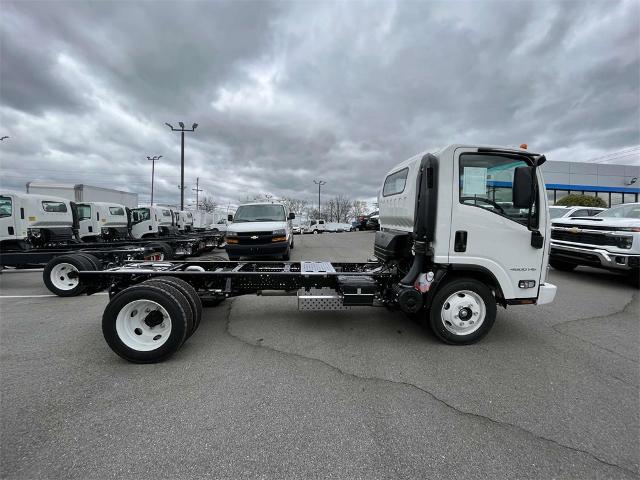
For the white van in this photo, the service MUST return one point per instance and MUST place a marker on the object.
(260, 230)
(315, 227)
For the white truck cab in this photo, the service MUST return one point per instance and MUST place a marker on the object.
(258, 230)
(34, 219)
(184, 220)
(479, 226)
(102, 221)
(152, 222)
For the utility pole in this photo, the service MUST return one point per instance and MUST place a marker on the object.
(197, 190)
(319, 183)
(153, 168)
(182, 130)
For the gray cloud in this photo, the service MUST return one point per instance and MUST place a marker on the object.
(288, 92)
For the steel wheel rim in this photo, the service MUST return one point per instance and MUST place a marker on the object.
(463, 312)
(136, 325)
(60, 279)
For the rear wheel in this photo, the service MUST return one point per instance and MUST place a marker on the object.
(564, 266)
(462, 312)
(166, 249)
(95, 261)
(60, 275)
(146, 323)
(189, 293)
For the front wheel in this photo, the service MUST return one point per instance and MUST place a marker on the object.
(60, 275)
(462, 312)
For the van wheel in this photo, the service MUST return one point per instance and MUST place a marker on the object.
(462, 312)
(287, 256)
(292, 242)
(146, 323)
(60, 275)
(564, 266)
(315, 232)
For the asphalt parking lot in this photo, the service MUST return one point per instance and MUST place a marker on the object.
(264, 391)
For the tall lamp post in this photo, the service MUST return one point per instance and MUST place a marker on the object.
(197, 190)
(319, 183)
(182, 130)
(153, 168)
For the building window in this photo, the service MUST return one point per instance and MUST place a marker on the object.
(560, 194)
(551, 197)
(616, 199)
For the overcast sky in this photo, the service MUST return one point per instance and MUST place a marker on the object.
(285, 93)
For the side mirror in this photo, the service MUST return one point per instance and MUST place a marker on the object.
(292, 216)
(230, 218)
(522, 187)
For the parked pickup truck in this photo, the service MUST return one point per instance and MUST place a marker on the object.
(608, 240)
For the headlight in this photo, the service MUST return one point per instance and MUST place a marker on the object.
(280, 231)
(232, 234)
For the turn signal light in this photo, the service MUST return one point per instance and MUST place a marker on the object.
(279, 239)
(231, 240)
(526, 283)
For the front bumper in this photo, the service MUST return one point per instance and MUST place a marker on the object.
(546, 294)
(594, 257)
(259, 250)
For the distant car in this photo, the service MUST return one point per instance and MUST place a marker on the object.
(571, 212)
(296, 229)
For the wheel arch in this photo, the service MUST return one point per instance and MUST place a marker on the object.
(476, 272)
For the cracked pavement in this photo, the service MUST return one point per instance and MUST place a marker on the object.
(264, 391)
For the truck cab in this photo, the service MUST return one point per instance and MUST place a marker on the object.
(315, 226)
(34, 220)
(184, 221)
(101, 221)
(152, 222)
(467, 216)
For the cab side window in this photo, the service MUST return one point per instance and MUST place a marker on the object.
(580, 213)
(486, 181)
(395, 183)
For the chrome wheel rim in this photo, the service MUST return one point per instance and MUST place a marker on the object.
(143, 325)
(60, 276)
(463, 312)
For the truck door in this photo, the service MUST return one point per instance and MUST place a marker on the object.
(8, 222)
(487, 232)
(85, 220)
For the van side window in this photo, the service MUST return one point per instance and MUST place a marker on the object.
(5, 207)
(395, 183)
(486, 181)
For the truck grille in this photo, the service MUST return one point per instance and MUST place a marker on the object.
(254, 238)
(586, 238)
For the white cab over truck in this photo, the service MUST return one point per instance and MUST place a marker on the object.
(99, 221)
(152, 222)
(34, 220)
(259, 230)
(610, 240)
(463, 229)
(315, 227)
(184, 220)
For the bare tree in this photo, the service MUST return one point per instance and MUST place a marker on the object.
(358, 208)
(207, 204)
(295, 205)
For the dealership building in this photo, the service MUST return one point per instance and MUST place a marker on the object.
(614, 183)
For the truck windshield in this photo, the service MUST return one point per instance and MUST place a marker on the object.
(84, 211)
(54, 207)
(140, 215)
(630, 210)
(260, 213)
(5, 207)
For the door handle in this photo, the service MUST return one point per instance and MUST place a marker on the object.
(460, 242)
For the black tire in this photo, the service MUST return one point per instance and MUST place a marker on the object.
(293, 243)
(167, 251)
(458, 289)
(287, 255)
(169, 298)
(189, 293)
(634, 278)
(563, 266)
(95, 261)
(61, 288)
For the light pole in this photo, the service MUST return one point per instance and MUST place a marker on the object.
(153, 168)
(197, 190)
(182, 130)
(319, 183)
